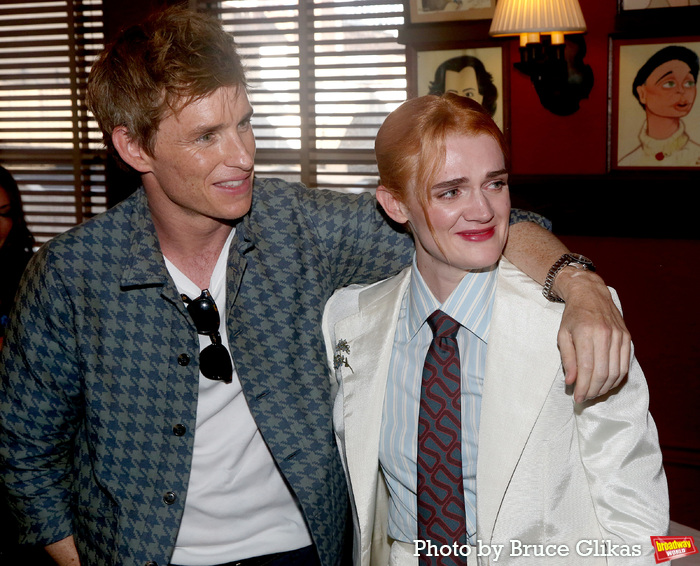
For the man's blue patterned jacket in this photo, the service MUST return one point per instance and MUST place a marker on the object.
(93, 382)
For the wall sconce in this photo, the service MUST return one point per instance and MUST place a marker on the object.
(556, 67)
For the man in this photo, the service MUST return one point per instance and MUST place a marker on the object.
(117, 448)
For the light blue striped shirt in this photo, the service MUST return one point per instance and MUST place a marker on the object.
(471, 304)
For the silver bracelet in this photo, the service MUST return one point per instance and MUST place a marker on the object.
(575, 260)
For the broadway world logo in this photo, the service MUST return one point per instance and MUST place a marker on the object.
(670, 548)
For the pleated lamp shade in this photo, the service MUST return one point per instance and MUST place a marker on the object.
(519, 17)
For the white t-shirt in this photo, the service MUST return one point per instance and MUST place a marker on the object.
(238, 505)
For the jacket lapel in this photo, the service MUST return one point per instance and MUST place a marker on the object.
(370, 337)
(237, 261)
(520, 368)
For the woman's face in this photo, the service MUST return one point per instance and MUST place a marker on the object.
(469, 209)
(5, 216)
(669, 91)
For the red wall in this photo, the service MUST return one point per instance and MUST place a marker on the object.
(575, 144)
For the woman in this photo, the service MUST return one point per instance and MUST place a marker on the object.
(557, 476)
(666, 88)
(15, 244)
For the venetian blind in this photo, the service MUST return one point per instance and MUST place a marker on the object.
(323, 74)
(47, 139)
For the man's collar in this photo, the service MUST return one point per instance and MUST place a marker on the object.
(145, 265)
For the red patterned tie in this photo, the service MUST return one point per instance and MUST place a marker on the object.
(441, 514)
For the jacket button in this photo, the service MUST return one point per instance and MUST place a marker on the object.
(179, 430)
(151, 563)
(183, 359)
(169, 497)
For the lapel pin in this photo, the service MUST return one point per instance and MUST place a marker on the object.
(340, 359)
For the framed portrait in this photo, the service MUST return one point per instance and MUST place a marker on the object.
(657, 18)
(655, 118)
(448, 10)
(476, 72)
(626, 5)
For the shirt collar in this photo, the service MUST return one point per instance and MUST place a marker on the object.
(667, 146)
(470, 304)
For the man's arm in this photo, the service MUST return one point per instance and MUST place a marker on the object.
(593, 338)
(38, 407)
(64, 552)
(619, 449)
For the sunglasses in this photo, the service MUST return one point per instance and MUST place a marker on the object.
(214, 360)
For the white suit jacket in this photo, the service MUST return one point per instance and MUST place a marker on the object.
(549, 472)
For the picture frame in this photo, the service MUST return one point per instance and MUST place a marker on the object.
(477, 69)
(639, 124)
(634, 5)
(657, 18)
(423, 11)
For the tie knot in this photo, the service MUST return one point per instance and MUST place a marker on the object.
(443, 325)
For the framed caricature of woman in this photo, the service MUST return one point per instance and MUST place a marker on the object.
(656, 121)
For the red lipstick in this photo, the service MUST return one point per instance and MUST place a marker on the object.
(477, 235)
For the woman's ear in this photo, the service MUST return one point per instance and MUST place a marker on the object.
(130, 151)
(393, 207)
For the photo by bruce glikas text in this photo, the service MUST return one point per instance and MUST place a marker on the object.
(518, 549)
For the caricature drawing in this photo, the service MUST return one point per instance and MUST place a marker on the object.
(665, 87)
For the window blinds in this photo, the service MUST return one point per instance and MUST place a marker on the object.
(323, 75)
(47, 140)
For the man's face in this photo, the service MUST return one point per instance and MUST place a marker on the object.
(202, 164)
(463, 83)
(669, 91)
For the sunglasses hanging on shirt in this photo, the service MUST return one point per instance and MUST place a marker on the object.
(214, 360)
